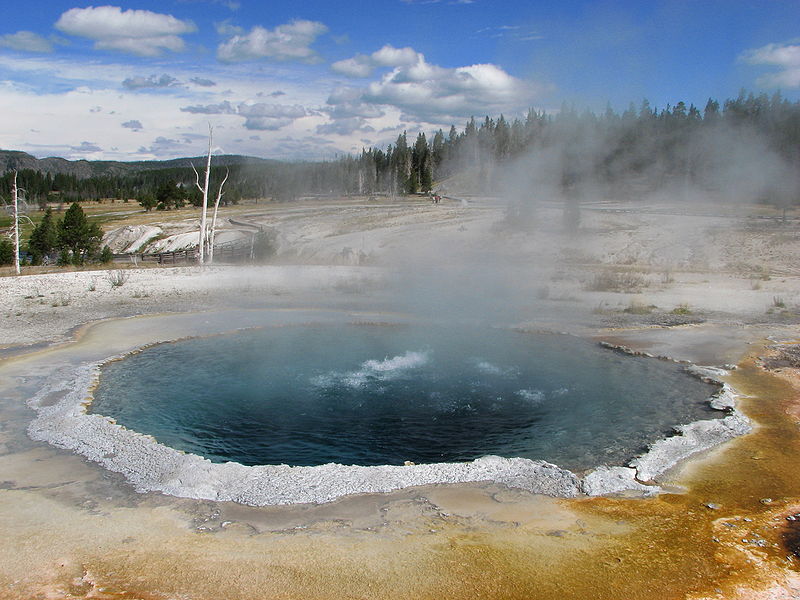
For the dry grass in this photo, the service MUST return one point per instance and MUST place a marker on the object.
(628, 282)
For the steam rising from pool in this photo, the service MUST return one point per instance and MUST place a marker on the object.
(371, 395)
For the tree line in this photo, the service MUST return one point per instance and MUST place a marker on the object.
(655, 147)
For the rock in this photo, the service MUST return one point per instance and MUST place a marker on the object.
(712, 506)
(535, 476)
(692, 438)
(725, 399)
(708, 374)
(605, 481)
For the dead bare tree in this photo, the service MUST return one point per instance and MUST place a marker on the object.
(16, 217)
(220, 193)
(206, 241)
(204, 190)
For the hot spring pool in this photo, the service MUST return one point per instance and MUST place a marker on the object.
(385, 394)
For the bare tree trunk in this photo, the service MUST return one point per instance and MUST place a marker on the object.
(220, 193)
(16, 222)
(204, 190)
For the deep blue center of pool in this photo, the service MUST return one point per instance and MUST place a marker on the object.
(372, 394)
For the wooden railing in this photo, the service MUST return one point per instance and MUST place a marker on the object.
(239, 251)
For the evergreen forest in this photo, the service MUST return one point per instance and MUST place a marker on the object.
(748, 146)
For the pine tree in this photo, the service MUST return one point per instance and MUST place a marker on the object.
(711, 112)
(148, 202)
(170, 196)
(6, 252)
(421, 166)
(44, 238)
(502, 139)
(401, 163)
(437, 154)
(77, 235)
(106, 256)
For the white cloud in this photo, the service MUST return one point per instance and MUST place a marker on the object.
(389, 56)
(359, 66)
(138, 83)
(344, 126)
(419, 91)
(26, 41)
(347, 102)
(426, 92)
(202, 82)
(133, 124)
(65, 119)
(284, 43)
(223, 108)
(784, 56)
(61, 98)
(163, 146)
(45, 70)
(270, 117)
(362, 65)
(226, 28)
(257, 116)
(139, 32)
(87, 148)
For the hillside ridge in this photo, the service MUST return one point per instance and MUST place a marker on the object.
(83, 169)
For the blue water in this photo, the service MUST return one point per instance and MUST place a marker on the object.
(372, 394)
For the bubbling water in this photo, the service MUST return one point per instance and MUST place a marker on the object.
(370, 394)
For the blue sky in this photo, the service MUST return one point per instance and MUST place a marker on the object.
(142, 80)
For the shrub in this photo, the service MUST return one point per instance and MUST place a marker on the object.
(117, 278)
(682, 309)
(265, 245)
(637, 308)
(616, 281)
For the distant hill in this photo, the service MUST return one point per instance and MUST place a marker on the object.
(83, 169)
